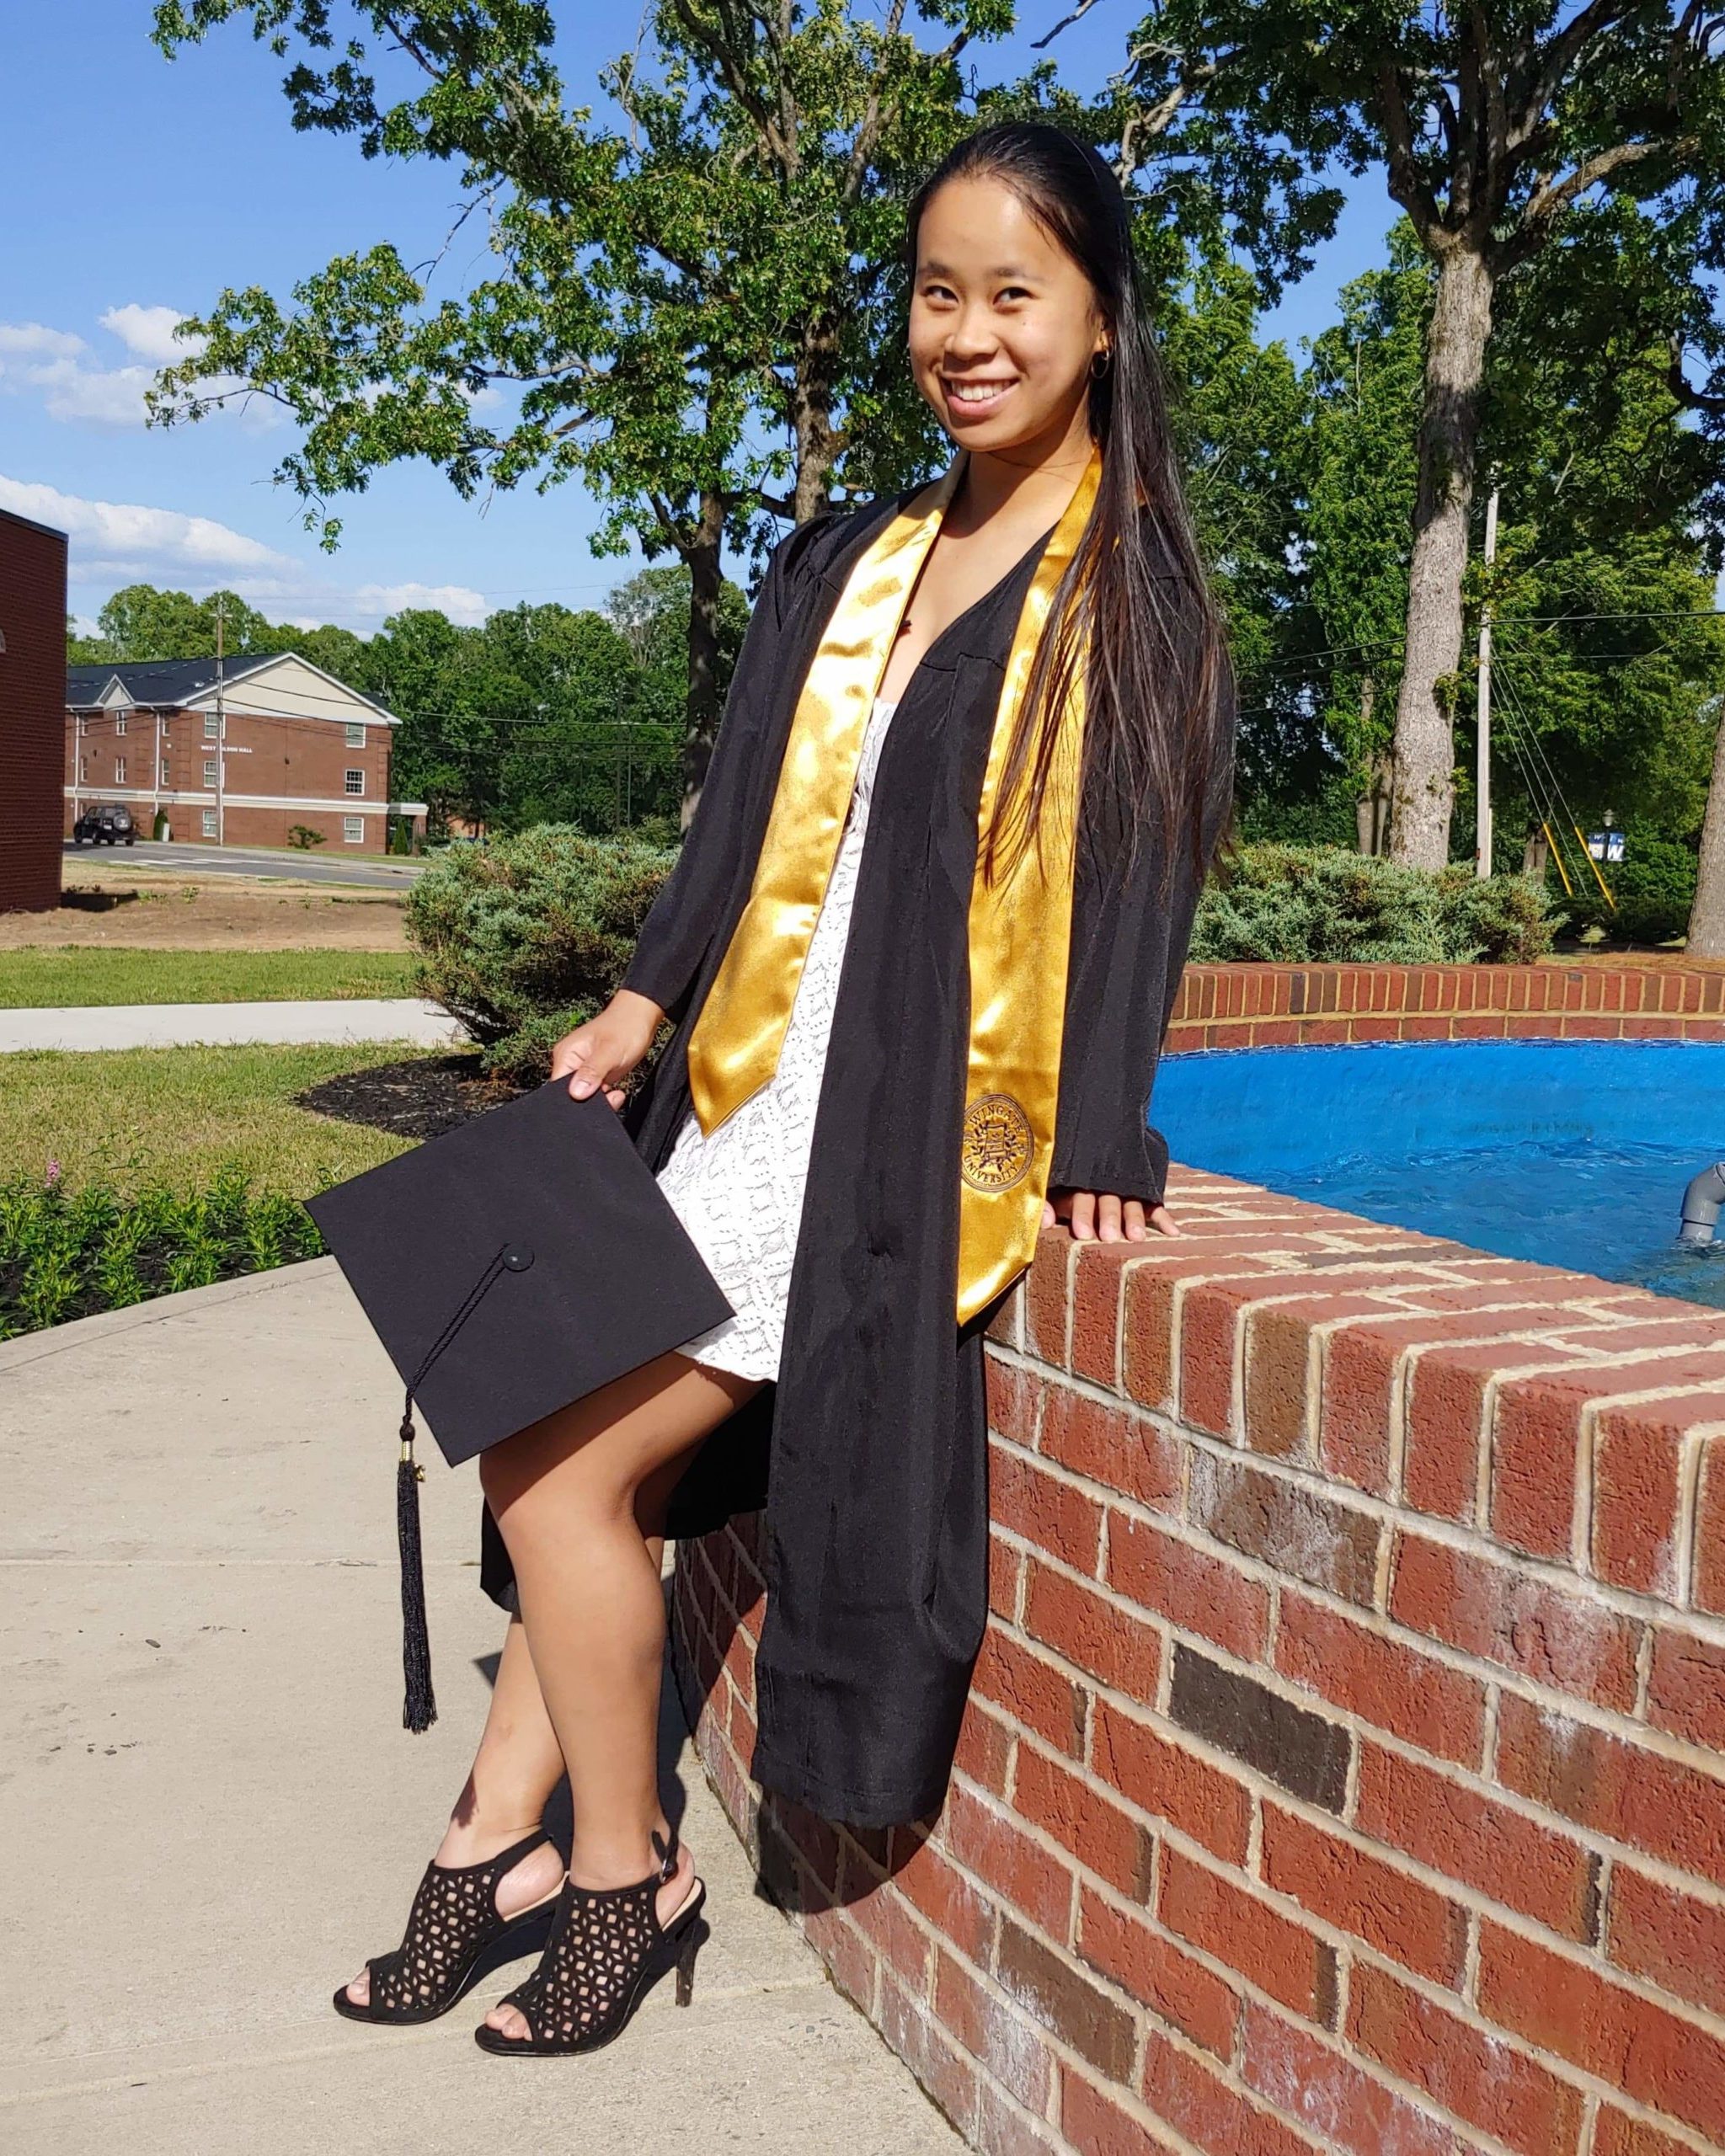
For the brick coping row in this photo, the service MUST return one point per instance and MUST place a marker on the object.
(1299, 1006)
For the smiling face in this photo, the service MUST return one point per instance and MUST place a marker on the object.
(1003, 322)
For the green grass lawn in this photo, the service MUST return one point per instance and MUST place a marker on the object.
(171, 1115)
(39, 978)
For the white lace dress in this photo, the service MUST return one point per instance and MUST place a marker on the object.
(739, 1194)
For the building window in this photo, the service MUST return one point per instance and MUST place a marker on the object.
(354, 782)
(120, 722)
(209, 823)
(356, 733)
(78, 726)
(119, 770)
(208, 771)
(209, 726)
(166, 780)
(353, 830)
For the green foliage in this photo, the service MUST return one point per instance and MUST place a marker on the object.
(139, 621)
(304, 837)
(66, 1254)
(1654, 886)
(1292, 904)
(525, 938)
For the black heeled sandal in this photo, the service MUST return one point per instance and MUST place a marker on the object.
(606, 1947)
(454, 1935)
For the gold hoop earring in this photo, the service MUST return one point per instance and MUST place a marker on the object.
(1096, 371)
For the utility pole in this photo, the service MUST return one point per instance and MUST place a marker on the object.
(1483, 770)
(221, 719)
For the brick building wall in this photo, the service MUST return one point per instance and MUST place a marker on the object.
(1345, 1766)
(32, 704)
(304, 761)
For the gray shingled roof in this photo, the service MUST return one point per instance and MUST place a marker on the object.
(157, 681)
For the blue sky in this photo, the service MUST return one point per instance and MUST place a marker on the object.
(140, 188)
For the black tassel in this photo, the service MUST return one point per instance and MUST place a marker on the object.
(419, 1707)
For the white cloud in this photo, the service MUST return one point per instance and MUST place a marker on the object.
(34, 340)
(126, 538)
(56, 364)
(114, 543)
(148, 331)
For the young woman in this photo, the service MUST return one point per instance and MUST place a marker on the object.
(919, 950)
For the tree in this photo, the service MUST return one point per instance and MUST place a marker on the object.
(139, 621)
(1493, 124)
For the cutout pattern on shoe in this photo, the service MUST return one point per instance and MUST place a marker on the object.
(605, 1943)
(453, 1920)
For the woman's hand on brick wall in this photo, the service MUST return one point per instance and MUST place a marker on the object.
(1101, 1217)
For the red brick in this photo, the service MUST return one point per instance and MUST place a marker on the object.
(1049, 1986)
(1673, 1939)
(1355, 1891)
(1047, 1302)
(925, 1876)
(1198, 1592)
(1198, 2103)
(1503, 1614)
(900, 1941)
(1235, 1927)
(1536, 1437)
(1114, 1446)
(1709, 1562)
(1037, 1693)
(1003, 2129)
(1096, 1309)
(847, 1954)
(1473, 1838)
(1096, 1636)
(1176, 1785)
(1445, 1416)
(1006, 1573)
(1015, 1400)
(986, 1844)
(1288, 1526)
(1561, 2005)
(995, 2032)
(1331, 2094)
(1616, 2134)
(1105, 1839)
(1094, 2125)
(1604, 1782)
(1686, 1687)
(1277, 1399)
(1153, 1969)
(1211, 1317)
(908, 2024)
(1383, 1681)
(1465, 2070)
(985, 1751)
(1638, 1496)
(1026, 1500)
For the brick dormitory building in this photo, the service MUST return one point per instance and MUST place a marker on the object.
(298, 748)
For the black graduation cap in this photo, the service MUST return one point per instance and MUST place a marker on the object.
(511, 1267)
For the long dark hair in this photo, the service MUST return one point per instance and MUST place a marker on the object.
(1135, 598)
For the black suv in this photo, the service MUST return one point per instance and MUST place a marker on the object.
(106, 823)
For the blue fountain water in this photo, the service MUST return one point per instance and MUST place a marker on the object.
(1573, 1153)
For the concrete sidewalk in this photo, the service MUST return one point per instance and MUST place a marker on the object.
(214, 1814)
(191, 1025)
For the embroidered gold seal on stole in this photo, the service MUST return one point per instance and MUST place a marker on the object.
(995, 1153)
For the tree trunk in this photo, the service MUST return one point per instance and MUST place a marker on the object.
(1535, 856)
(1371, 811)
(1706, 918)
(1449, 436)
(706, 581)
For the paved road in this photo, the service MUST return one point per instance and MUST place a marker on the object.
(214, 1814)
(192, 1025)
(377, 873)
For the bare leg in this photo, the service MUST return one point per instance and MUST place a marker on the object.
(516, 1768)
(568, 1494)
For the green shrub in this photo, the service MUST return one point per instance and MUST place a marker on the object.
(525, 938)
(1296, 904)
(69, 1255)
(1653, 885)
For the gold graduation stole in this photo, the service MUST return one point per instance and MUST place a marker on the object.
(1020, 927)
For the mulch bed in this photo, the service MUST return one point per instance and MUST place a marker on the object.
(421, 1098)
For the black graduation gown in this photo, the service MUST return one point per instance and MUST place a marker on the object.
(876, 1526)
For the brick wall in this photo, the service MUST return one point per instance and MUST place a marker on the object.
(32, 698)
(1345, 1768)
(1291, 1006)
